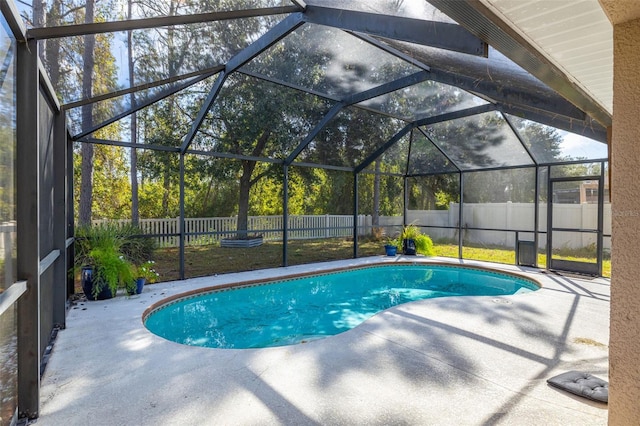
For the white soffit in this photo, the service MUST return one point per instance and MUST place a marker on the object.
(575, 35)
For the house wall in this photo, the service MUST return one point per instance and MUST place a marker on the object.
(624, 350)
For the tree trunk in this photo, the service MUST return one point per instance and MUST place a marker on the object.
(38, 13)
(52, 54)
(86, 184)
(248, 166)
(243, 197)
(375, 214)
(135, 219)
(173, 66)
(51, 50)
(166, 185)
(205, 199)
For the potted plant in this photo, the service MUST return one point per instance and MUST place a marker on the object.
(112, 271)
(414, 242)
(102, 260)
(145, 273)
(390, 247)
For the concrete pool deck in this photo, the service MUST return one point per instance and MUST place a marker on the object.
(463, 361)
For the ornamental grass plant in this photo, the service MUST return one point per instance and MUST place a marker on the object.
(112, 251)
(424, 244)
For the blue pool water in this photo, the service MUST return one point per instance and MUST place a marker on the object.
(316, 306)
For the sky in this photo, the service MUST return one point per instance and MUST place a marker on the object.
(578, 146)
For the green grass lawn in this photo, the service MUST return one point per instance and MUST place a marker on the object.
(211, 260)
(500, 255)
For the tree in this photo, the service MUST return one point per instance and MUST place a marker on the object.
(86, 183)
(86, 56)
(168, 52)
(110, 186)
(254, 119)
(543, 141)
(486, 141)
(70, 63)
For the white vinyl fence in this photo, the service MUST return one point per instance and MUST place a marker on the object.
(515, 216)
(211, 230)
(7, 242)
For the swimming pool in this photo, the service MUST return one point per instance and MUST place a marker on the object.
(305, 308)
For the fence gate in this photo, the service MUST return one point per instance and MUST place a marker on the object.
(574, 241)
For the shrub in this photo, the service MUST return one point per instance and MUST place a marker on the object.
(112, 250)
(87, 238)
(135, 246)
(377, 233)
(424, 244)
(100, 247)
(111, 269)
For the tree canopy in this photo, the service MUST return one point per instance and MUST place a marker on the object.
(265, 109)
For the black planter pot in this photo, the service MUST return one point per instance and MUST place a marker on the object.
(409, 246)
(87, 277)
